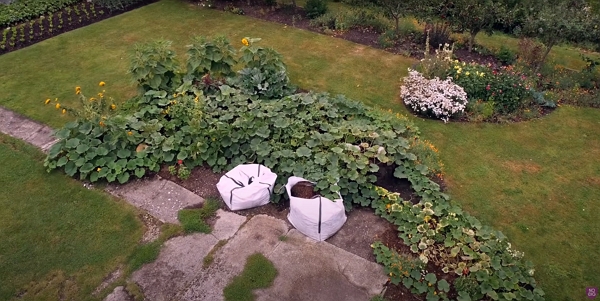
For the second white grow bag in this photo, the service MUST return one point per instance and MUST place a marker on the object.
(318, 218)
(247, 186)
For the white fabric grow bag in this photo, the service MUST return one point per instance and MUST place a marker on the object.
(247, 186)
(318, 218)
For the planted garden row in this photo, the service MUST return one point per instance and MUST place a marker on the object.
(53, 23)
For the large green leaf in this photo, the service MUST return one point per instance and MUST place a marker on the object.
(72, 143)
(123, 178)
(303, 151)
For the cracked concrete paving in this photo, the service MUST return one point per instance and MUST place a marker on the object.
(160, 197)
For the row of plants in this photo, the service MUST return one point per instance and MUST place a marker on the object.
(55, 21)
(48, 25)
(24, 10)
(210, 113)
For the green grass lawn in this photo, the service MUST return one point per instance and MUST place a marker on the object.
(531, 180)
(57, 237)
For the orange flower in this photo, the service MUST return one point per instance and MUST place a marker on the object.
(113, 106)
(47, 101)
(101, 84)
(129, 133)
(245, 42)
(57, 106)
(77, 90)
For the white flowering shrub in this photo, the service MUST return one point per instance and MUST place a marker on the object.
(433, 97)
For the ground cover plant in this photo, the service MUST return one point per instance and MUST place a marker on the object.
(494, 183)
(59, 238)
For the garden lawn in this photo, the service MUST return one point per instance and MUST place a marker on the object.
(58, 239)
(531, 180)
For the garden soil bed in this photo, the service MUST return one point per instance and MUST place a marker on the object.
(203, 181)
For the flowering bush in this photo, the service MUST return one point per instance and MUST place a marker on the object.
(435, 97)
(509, 89)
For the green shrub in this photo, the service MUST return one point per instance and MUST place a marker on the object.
(506, 56)
(315, 8)
(388, 39)
(264, 74)
(508, 88)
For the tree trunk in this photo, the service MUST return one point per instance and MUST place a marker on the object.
(472, 35)
(541, 63)
(397, 18)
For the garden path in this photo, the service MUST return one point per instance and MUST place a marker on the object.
(307, 270)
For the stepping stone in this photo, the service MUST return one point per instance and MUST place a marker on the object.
(161, 198)
(312, 270)
(181, 260)
(20, 127)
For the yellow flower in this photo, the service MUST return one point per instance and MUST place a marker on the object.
(467, 73)
(101, 84)
(100, 95)
(129, 133)
(92, 99)
(77, 90)
(427, 218)
(64, 111)
(57, 106)
(245, 42)
(196, 99)
(458, 71)
(482, 74)
(47, 101)
(99, 169)
(101, 123)
(113, 106)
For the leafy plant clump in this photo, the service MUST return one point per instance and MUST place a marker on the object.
(440, 233)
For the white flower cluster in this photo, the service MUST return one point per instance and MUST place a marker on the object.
(441, 98)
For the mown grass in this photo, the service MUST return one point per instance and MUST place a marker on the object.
(531, 180)
(57, 237)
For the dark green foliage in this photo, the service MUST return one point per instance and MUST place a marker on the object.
(506, 56)
(315, 8)
(116, 4)
(258, 272)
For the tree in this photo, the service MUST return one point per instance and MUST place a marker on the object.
(394, 9)
(472, 16)
(554, 24)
